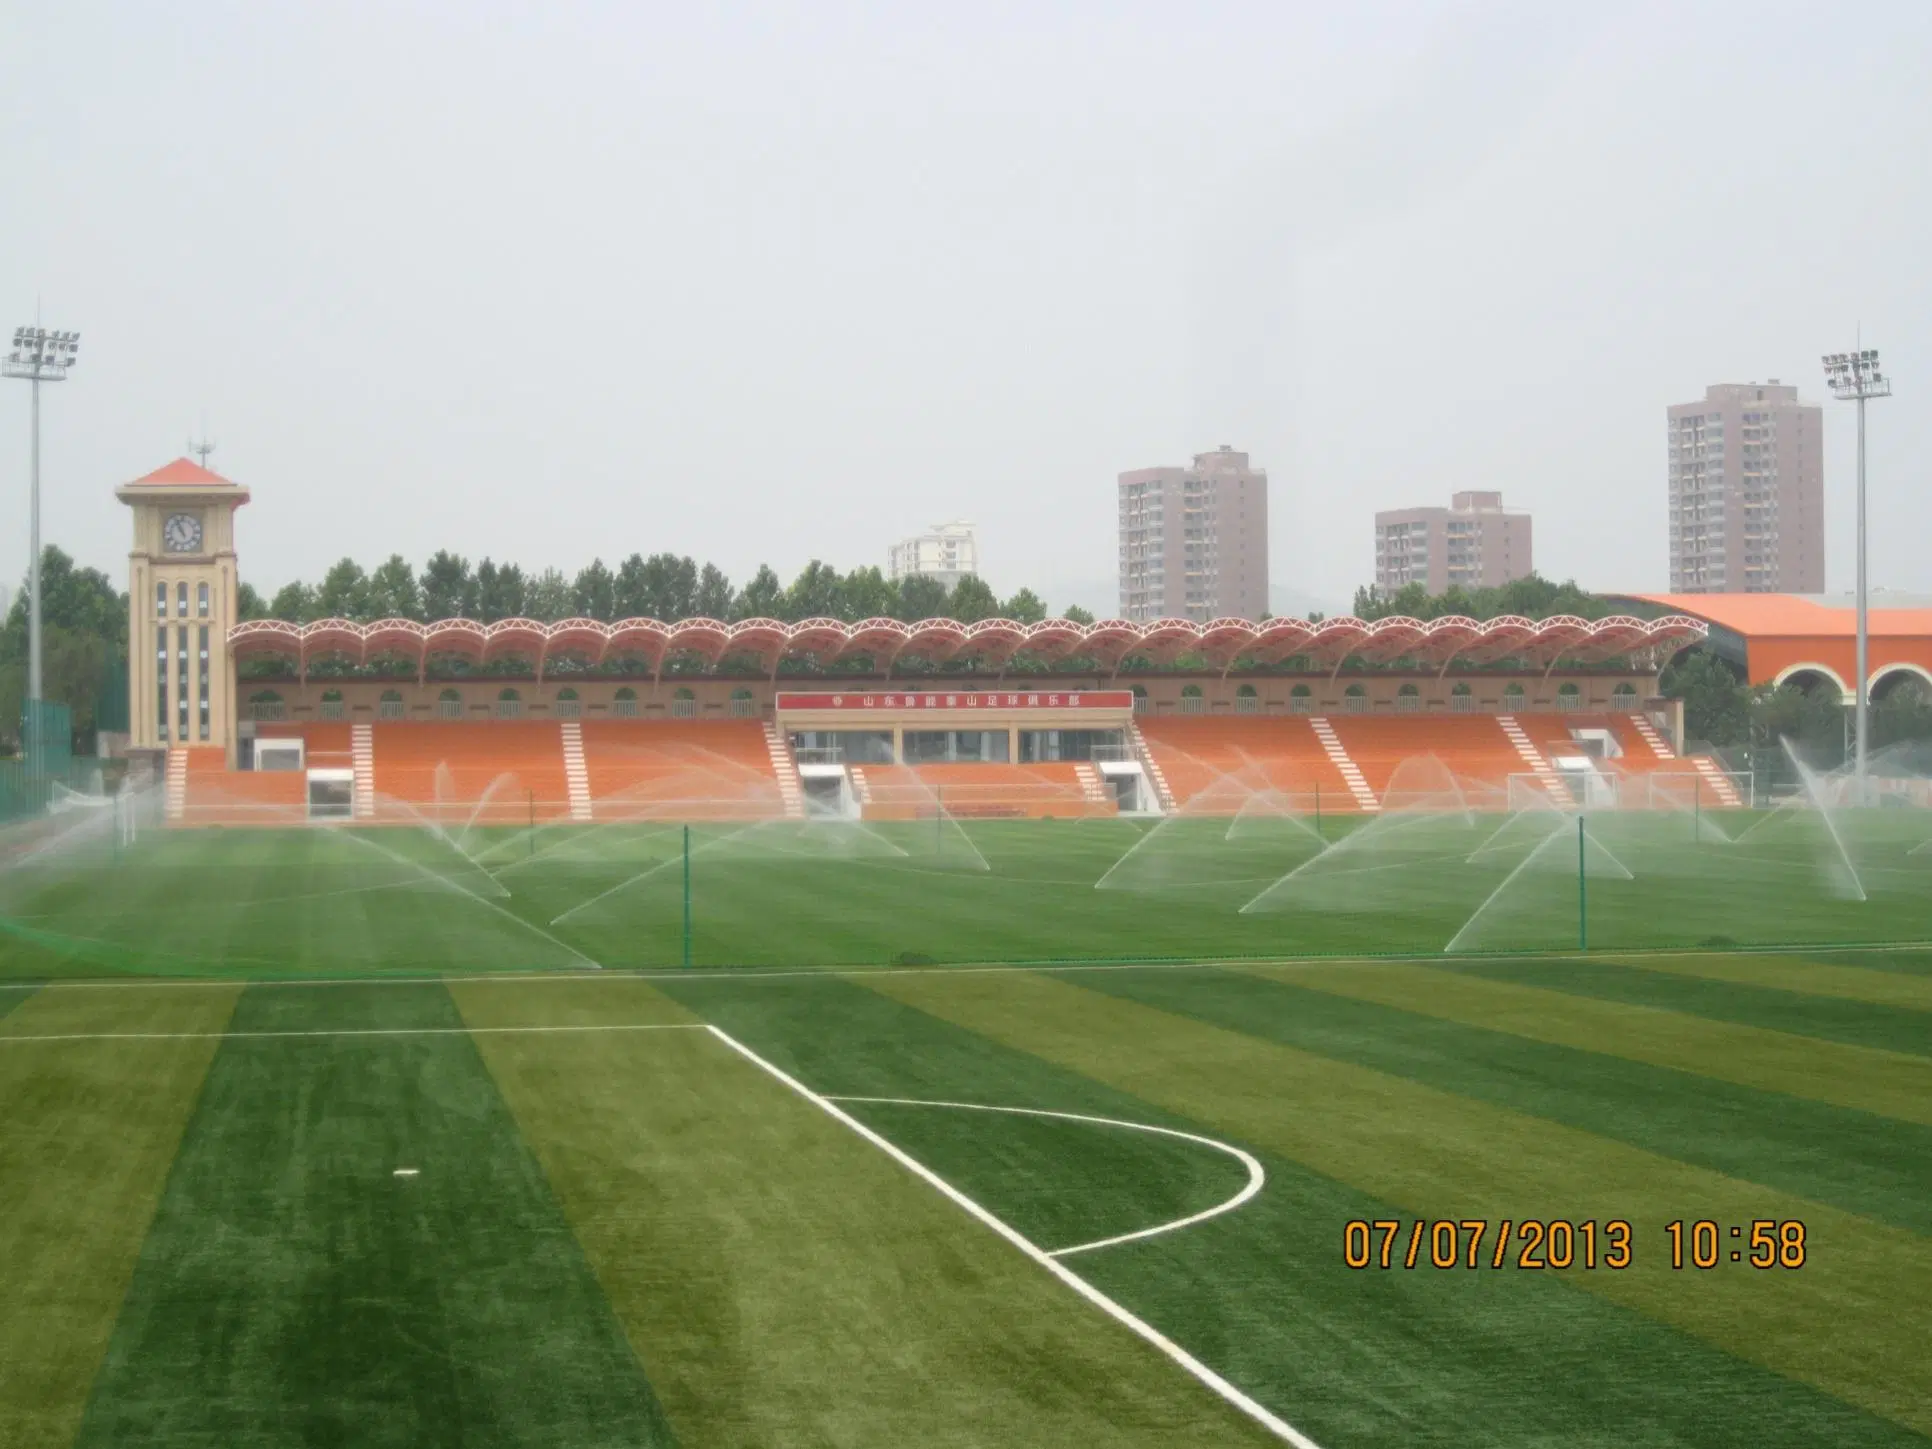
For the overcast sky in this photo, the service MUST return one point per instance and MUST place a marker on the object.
(759, 283)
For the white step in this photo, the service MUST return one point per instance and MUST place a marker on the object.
(1350, 772)
(1091, 785)
(861, 791)
(576, 773)
(1719, 782)
(1533, 757)
(1163, 796)
(362, 754)
(791, 789)
(1648, 733)
(177, 783)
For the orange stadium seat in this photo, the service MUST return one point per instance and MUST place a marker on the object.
(1214, 764)
(982, 791)
(678, 770)
(1472, 747)
(504, 772)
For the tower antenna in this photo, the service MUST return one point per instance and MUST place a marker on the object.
(202, 449)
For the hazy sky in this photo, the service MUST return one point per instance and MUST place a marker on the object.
(766, 282)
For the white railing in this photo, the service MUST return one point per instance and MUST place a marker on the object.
(1569, 701)
(270, 710)
(746, 708)
(1193, 704)
(449, 709)
(570, 709)
(684, 709)
(1408, 704)
(624, 708)
(1462, 704)
(1301, 704)
(1247, 704)
(391, 709)
(333, 709)
(1355, 704)
(509, 709)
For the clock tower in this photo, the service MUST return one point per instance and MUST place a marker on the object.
(181, 605)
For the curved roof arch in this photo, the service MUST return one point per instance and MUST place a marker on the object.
(770, 641)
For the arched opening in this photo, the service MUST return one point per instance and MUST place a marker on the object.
(1408, 699)
(1462, 698)
(1355, 699)
(1568, 695)
(1247, 700)
(569, 706)
(1902, 682)
(332, 705)
(509, 704)
(390, 706)
(1513, 697)
(1193, 701)
(684, 704)
(449, 704)
(1814, 679)
(624, 703)
(1301, 700)
(266, 704)
(1140, 698)
(743, 704)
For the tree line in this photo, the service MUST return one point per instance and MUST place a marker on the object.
(663, 586)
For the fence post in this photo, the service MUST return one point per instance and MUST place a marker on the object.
(531, 838)
(1318, 811)
(1582, 892)
(1697, 809)
(939, 819)
(687, 895)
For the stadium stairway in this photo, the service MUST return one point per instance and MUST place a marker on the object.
(362, 755)
(1345, 766)
(576, 774)
(1151, 766)
(791, 788)
(1531, 756)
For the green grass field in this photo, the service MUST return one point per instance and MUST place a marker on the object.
(469, 1190)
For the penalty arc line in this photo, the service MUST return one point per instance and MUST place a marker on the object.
(1257, 1178)
(1255, 1410)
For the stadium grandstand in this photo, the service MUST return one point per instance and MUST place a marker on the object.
(700, 719)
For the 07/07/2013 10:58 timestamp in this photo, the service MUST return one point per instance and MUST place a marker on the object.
(1559, 1243)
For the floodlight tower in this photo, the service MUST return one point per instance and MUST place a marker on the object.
(1855, 377)
(38, 356)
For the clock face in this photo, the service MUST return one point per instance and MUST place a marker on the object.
(182, 533)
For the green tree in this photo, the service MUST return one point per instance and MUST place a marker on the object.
(248, 603)
(595, 592)
(1717, 705)
(670, 587)
(868, 594)
(293, 603)
(763, 597)
(1026, 607)
(1078, 615)
(344, 593)
(393, 591)
(921, 597)
(713, 600)
(500, 590)
(630, 592)
(449, 588)
(972, 600)
(816, 593)
(549, 597)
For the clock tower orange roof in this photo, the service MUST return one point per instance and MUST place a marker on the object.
(183, 472)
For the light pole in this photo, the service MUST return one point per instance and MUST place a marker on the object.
(1854, 376)
(38, 356)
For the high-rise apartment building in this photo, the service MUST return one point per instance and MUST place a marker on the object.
(948, 553)
(1194, 540)
(1474, 543)
(1747, 492)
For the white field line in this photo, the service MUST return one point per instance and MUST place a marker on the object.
(7, 1039)
(753, 974)
(1256, 1177)
(1276, 1425)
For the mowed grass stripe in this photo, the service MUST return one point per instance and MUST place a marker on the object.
(1875, 1166)
(1896, 989)
(1814, 1018)
(785, 1282)
(87, 1132)
(1892, 1084)
(293, 1290)
(1853, 1322)
(1356, 1360)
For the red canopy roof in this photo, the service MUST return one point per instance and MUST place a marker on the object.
(993, 642)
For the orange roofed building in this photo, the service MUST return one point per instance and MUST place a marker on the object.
(1810, 641)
